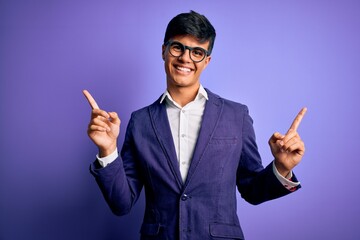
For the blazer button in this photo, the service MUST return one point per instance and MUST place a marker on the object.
(184, 197)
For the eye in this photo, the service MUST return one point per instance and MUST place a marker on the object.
(176, 47)
(198, 52)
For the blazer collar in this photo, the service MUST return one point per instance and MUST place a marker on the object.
(158, 116)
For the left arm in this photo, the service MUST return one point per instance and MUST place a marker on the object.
(256, 184)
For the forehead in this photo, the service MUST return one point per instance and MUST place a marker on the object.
(191, 41)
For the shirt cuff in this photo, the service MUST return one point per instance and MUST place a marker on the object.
(108, 159)
(285, 181)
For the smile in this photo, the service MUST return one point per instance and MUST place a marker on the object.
(183, 69)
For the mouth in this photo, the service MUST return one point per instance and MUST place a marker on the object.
(183, 69)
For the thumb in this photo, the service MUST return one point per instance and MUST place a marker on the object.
(275, 137)
(114, 118)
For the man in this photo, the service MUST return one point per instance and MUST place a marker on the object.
(190, 149)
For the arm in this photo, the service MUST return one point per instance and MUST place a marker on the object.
(118, 181)
(255, 183)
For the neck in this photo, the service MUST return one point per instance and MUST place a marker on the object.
(183, 95)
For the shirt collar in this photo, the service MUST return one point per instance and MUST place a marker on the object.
(201, 93)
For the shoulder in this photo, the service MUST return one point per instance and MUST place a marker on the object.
(227, 104)
(144, 111)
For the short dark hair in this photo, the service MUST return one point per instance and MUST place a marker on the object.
(194, 24)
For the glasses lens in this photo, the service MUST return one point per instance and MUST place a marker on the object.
(176, 49)
(197, 54)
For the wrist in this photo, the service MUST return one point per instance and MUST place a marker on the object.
(281, 169)
(104, 152)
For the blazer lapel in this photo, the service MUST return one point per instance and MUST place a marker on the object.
(158, 116)
(212, 113)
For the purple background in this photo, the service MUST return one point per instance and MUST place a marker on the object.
(275, 56)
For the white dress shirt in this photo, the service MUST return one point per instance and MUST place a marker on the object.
(185, 123)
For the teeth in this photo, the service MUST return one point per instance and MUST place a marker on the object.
(183, 69)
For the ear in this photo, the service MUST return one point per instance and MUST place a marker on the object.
(163, 52)
(207, 60)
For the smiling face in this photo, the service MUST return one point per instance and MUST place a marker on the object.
(182, 72)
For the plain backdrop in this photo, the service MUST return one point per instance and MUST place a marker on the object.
(274, 56)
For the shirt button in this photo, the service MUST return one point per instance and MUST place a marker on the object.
(183, 135)
(183, 163)
(184, 197)
(183, 111)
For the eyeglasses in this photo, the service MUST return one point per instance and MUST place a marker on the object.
(177, 49)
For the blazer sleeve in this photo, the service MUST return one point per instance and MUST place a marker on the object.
(120, 182)
(256, 184)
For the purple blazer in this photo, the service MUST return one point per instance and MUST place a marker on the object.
(204, 206)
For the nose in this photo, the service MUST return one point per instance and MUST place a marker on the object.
(185, 57)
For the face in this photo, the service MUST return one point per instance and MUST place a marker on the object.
(182, 72)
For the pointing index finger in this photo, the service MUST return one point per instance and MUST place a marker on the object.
(295, 124)
(91, 100)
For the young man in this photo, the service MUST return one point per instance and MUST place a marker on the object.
(190, 149)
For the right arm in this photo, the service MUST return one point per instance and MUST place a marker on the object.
(118, 183)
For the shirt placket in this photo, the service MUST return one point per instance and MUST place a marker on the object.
(183, 143)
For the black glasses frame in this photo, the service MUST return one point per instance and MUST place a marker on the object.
(183, 49)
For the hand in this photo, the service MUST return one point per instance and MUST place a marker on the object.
(104, 127)
(288, 149)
